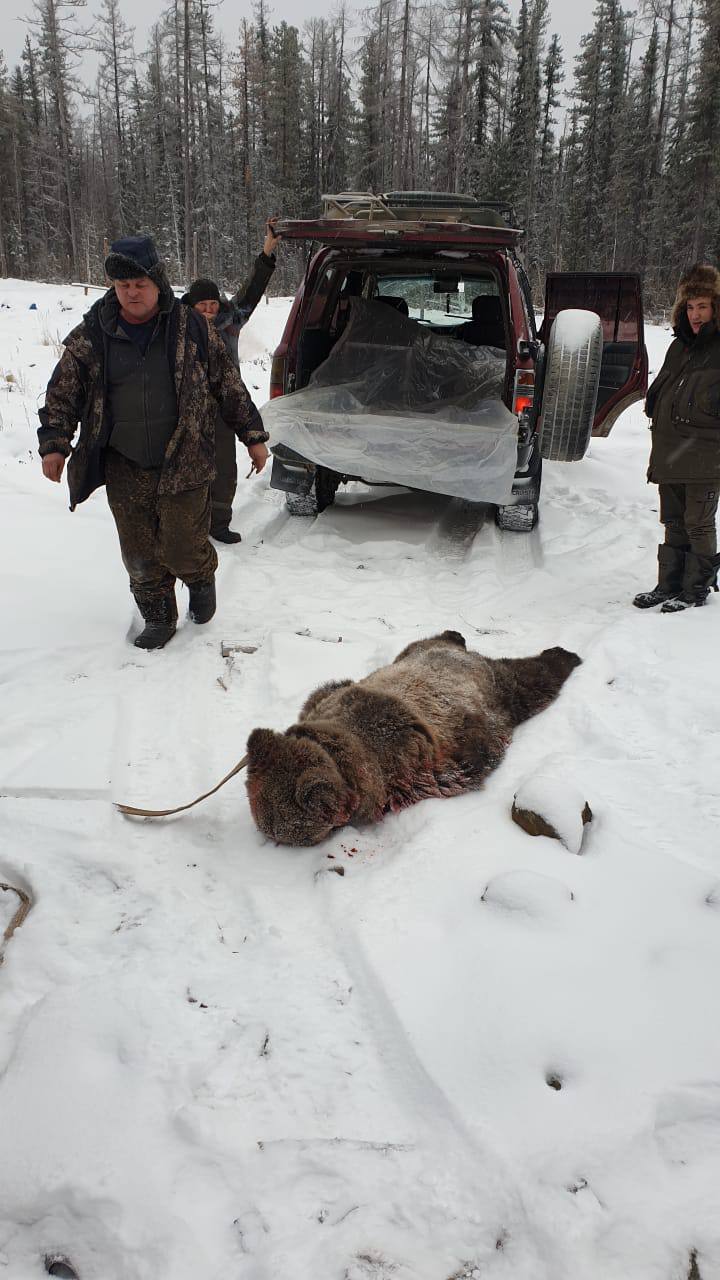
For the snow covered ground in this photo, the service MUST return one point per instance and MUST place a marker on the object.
(220, 1059)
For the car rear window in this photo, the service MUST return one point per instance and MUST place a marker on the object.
(437, 298)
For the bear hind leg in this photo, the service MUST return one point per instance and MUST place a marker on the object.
(529, 685)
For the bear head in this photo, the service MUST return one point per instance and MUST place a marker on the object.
(296, 792)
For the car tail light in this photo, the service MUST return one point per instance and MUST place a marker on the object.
(277, 376)
(524, 390)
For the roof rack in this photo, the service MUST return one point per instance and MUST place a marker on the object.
(418, 206)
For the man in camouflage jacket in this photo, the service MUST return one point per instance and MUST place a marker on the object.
(684, 406)
(144, 377)
(228, 316)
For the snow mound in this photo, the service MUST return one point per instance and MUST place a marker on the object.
(527, 894)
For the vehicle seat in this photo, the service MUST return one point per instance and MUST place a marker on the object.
(314, 347)
(398, 303)
(618, 359)
(487, 328)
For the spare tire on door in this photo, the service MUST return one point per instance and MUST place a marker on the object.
(572, 373)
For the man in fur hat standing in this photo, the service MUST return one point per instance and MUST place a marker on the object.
(684, 406)
(228, 317)
(144, 377)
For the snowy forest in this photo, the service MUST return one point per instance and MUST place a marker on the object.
(611, 163)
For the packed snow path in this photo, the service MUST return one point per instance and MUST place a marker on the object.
(472, 1054)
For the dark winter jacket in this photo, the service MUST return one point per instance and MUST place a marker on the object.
(235, 312)
(205, 380)
(684, 404)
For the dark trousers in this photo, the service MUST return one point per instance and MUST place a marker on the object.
(162, 536)
(225, 482)
(688, 513)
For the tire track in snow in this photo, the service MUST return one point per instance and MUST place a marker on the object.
(54, 793)
(449, 525)
(444, 1130)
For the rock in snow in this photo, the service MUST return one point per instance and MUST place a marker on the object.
(548, 803)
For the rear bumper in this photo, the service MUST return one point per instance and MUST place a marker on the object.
(291, 473)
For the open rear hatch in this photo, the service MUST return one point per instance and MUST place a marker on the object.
(405, 219)
(394, 403)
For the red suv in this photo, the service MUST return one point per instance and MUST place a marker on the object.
(411, 356)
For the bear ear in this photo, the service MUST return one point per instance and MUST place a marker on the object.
(454, 637)
(263, 748)
(317, 796)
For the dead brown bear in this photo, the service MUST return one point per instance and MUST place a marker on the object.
(433, 723)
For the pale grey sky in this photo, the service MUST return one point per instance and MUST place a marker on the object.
(570, 18)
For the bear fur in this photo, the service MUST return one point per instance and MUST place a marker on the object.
(435, 722)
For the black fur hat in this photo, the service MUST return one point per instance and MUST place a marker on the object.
(201, 291)
(134, 256)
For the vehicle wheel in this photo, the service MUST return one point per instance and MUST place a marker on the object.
(326, 486)
(321, 494)
(572, 374)
(302, 504)
(520, 517)
(526, 486)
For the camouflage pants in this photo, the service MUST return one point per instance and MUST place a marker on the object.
(225, 482)
(162, 536)
(688, 513)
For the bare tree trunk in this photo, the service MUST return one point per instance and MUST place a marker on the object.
(401, 147)
(3, 251)
(247, 169)
(20, 203)
(187, 181)
(428, 64)
(59, 91)
(662, 108)
(464, 99)
(166, 158)
(118, 117)
(108, 212)
(210, 193)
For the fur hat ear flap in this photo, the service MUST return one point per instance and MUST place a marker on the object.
(263, 748)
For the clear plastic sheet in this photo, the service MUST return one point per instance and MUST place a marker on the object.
(397, 403)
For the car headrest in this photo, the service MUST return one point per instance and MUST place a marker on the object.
(398, 303)
(486, 308)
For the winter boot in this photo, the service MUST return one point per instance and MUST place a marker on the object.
(225, 534)
(678, 603)
(648, 599)
(698, 581)
(671, 566)
(160, 618)
(202, 600)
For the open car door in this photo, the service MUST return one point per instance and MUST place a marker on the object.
(616, 298)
